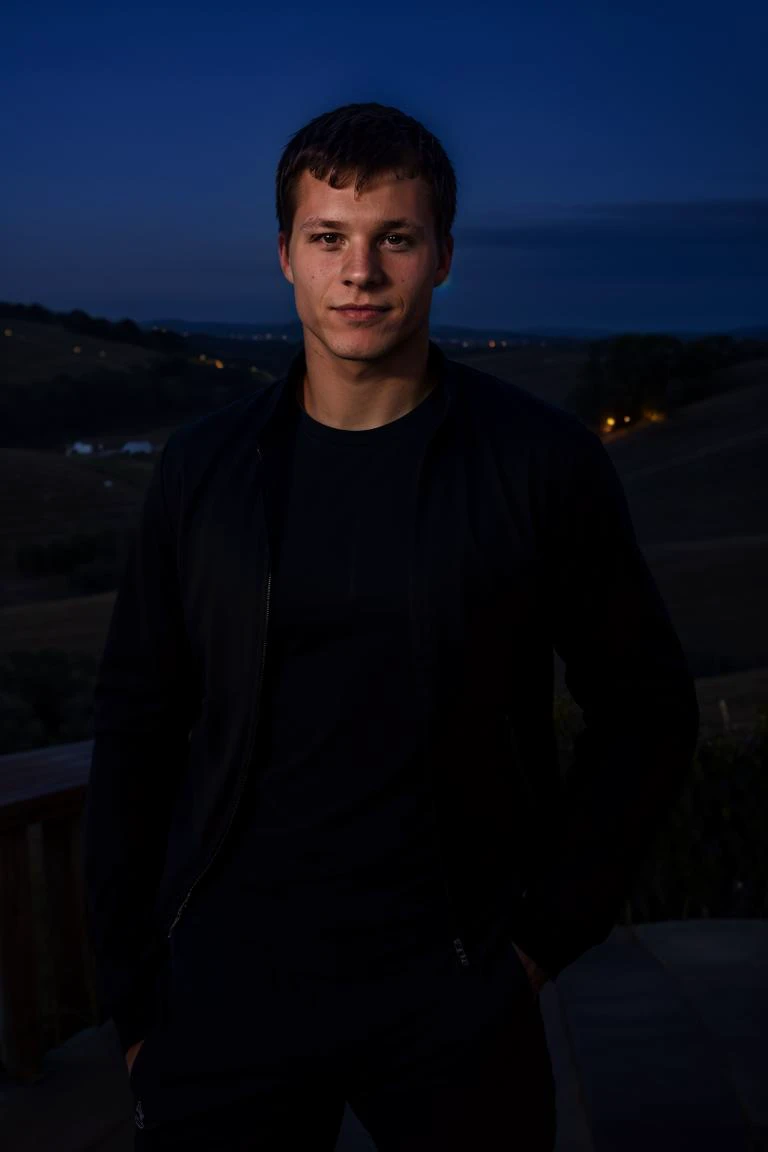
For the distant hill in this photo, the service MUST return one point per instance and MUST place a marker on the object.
(758, 332)
(125, 331)
(292, 331)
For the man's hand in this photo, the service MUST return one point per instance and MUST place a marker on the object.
(536, 975)
(132, 1053)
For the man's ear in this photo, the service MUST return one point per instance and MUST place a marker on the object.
(444, 267)
(283, 256)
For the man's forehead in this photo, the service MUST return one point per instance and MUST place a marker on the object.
(384, 195)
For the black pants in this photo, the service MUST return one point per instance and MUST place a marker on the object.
(431, 1055)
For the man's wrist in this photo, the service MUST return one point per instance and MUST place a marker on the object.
(536, 974)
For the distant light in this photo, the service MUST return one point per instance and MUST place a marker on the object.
(218, 363)
(491, 343)
(503, 343)
(8, 332)
(201, 356)
(610, 421)
(626, 419)
(77, 348)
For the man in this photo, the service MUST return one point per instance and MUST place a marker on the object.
(328, 853)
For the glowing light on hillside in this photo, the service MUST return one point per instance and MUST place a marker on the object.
(201, 357)
(626, 419)
(77, 349)
(218, 363)
(610, 421)
(491, 343)
(8, 332)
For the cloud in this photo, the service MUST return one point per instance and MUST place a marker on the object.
(646, 240)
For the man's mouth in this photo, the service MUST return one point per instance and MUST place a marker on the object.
(362, 313)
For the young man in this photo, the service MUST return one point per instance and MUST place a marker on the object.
(328, 853)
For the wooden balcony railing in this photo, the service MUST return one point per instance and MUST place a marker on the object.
(47, 986)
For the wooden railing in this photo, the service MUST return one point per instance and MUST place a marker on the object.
(47, 987)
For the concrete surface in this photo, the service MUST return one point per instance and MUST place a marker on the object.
(657, 1038)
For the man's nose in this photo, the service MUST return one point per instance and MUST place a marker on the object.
(362, 265)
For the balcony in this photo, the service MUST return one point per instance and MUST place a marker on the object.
(657, 1037)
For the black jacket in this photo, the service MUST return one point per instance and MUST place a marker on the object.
(520, 541)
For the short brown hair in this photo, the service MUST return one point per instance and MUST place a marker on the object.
(366, 139)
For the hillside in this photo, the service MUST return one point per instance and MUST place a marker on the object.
(697, 489)
(41, 351)
(549, 372)
(46, 496)
(553, 370)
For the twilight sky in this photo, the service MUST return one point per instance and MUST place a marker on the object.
(611, 156)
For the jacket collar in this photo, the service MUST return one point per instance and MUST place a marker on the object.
(278, 398)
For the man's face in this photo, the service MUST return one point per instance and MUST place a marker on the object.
(362, 259)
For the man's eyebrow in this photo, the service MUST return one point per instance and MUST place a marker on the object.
(403, 222)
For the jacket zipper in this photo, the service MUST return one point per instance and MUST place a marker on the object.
(244, 771)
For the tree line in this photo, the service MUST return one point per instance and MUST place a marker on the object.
(632, 375)
(124, 331)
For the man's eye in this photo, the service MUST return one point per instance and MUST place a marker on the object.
(402, 241)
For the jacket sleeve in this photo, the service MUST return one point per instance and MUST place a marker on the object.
(143, 704)
(626, 670)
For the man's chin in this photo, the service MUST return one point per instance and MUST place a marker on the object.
(366, 346)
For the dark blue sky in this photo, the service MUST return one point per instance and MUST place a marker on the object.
(611, 157)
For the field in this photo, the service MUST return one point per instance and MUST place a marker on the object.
(47, 495)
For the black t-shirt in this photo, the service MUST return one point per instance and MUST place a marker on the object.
(333, 849)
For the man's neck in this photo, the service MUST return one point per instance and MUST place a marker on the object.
(360, 405)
